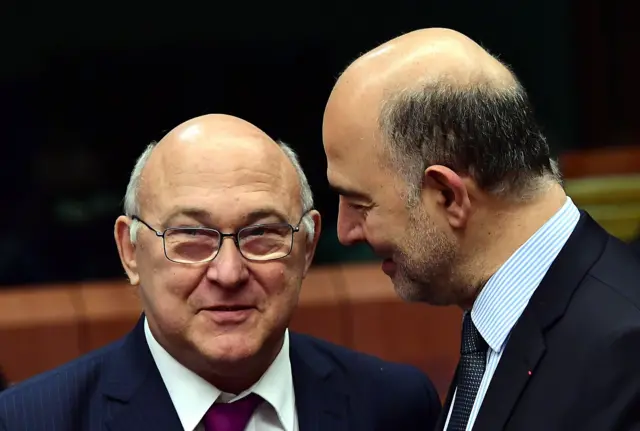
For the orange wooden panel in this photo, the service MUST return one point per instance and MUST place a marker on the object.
(322, 310)
(383, 325)
(601, 162)
(109, 310)
(38, 329)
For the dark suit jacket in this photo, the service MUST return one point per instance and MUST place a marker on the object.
(119, 388)
(572, 361)
(635, 245)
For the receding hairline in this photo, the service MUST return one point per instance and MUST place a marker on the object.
(133, 194)
(421, 59)
(250, 140)
(414, 97)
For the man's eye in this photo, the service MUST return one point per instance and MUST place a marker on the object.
(358, 207)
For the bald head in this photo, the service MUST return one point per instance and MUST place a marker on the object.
(420, 58)
(213, 145)
(215, 131)
(216, 138)
(215, 150)
(217, 143)
(434, 96)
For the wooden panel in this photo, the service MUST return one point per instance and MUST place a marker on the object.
(322, 310)
(383, 325)
(109, 310)
(601, 162)
(38, 329)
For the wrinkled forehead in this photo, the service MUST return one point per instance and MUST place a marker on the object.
(234, 179)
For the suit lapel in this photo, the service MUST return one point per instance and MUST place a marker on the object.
(526, 344)
(321, 401)
(522, 353)
(135, 395)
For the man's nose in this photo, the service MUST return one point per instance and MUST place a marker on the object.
(349, 226)
(228, 269)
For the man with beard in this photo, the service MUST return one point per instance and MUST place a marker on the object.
(460, 197)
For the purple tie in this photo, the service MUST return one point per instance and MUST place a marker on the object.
(231, 416)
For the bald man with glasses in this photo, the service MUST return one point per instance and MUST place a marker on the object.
(218, 234)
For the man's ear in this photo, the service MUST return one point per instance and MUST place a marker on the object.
(452, 195)
(126, 249)
(312, 243)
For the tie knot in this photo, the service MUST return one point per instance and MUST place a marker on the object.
(231, 416)
(472, 341)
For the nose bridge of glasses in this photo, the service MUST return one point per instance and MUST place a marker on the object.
(220, 252)
(233, 236)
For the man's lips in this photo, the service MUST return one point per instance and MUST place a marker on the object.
(230, 307)
(229, 314)
(388, 267)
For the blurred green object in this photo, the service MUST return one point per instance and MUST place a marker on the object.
(613, 201)
(331, 251)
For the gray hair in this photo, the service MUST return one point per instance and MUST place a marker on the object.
(483, 130)
(132, 205)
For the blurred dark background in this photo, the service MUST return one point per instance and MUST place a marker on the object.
(86, 86)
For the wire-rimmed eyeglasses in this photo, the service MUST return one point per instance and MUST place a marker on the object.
(260, 242)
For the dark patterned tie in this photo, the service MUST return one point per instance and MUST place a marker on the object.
(473, 361)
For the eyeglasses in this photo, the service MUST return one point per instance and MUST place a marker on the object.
(261, 242)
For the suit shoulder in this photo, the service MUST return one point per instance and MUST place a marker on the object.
(606, 302)
(368, 367)
(398, 396)
(617, 271)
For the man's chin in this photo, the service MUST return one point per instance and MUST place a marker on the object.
(410, 290)
(406, 289)
(230, 348)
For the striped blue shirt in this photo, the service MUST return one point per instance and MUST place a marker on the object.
(507, 293)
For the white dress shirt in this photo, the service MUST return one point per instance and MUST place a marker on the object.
(505, 296)
(192, 396)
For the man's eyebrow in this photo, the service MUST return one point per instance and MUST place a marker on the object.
(348, 193)
(206, 217)
(193, 213)
(263, 213)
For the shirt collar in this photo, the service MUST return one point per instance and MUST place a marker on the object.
(505, 296)
(192, 396)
